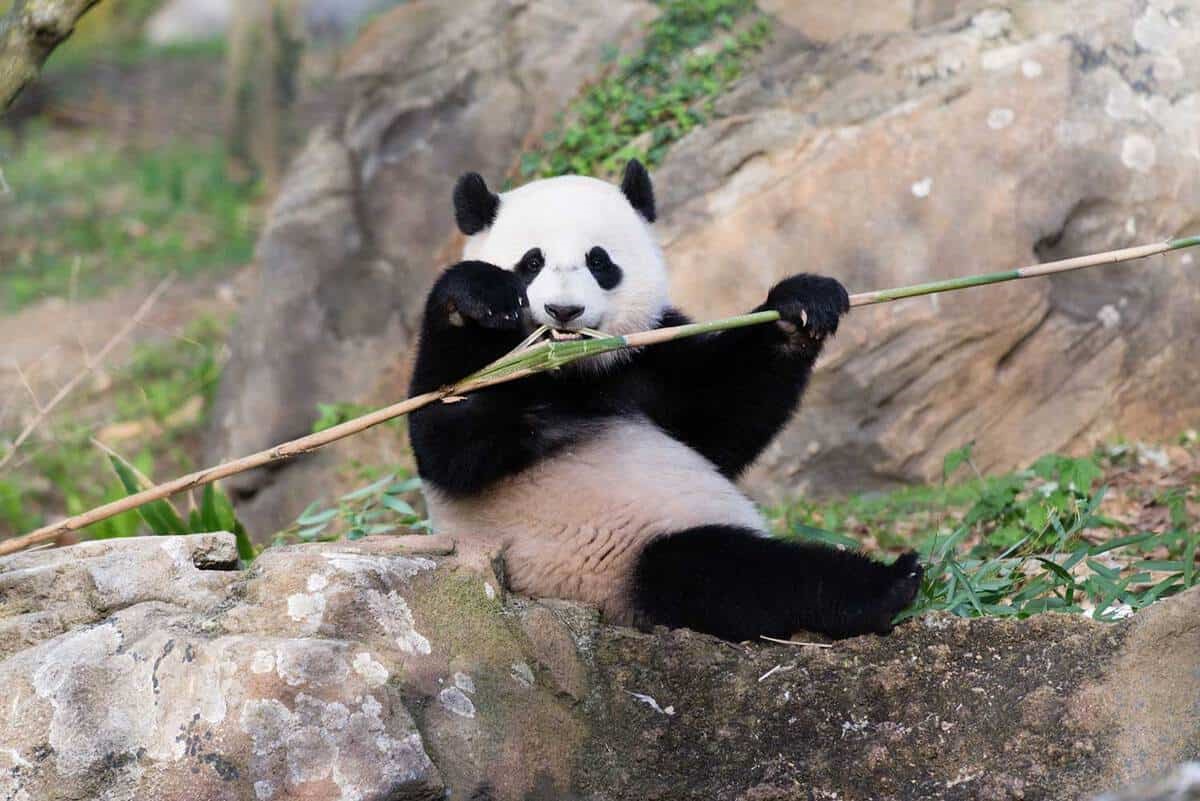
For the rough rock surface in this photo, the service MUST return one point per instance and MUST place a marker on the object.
(393, 669)
(992, 135)
(882, 142)
(364, 218)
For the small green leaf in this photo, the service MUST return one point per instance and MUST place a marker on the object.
(398, 506)
(956, 458)
(370, 489)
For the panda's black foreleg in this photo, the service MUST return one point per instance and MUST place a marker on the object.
(728, 394)
(473, 315)
(739, 585)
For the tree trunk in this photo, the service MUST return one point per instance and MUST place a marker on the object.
(28, 35)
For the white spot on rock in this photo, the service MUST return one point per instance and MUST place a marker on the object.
(999, 58)
(306, 608)
(1153, 31)
(264, 790)
(373, 673)
(650, 702)
(1187, 258)
(1130, 226)
(456, 703)
(1138, 153)
(464, 682)
(1108, 316)
(263, 662)
(991, 23)
(317, 582)
(1122, 104)
(1031, 68)
(522, 673)
(922, 187)
(999, 118)
(489, 590)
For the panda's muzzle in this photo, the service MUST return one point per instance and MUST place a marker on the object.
(563, 314)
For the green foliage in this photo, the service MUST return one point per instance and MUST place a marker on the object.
(1018, 544)
(59, 471)
(651, 99)
(215, 512)
(381, 507)
(333, 414)
(81, 221)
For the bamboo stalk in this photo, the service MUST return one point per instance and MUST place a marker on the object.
(528, 359)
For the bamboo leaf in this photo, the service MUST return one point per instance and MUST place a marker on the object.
(159, 515)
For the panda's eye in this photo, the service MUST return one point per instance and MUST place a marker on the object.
(531, 263)
(607, 274)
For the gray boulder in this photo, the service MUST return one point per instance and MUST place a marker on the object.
(398, 668)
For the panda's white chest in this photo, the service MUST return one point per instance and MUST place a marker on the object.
(572, 525)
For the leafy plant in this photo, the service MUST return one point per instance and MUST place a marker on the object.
(380, 507)
(651, 99)
(1020, 544)
(157, 402)
(215, 512)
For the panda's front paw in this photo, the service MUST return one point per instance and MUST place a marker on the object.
(480, 293)
(810, 305)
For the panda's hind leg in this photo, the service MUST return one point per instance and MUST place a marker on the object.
(739, 585)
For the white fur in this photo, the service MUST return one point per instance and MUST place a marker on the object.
(572, 525)
(566, 217)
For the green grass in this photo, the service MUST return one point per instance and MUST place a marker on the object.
(60, 472)
(83, 219)
(1017, 544)
(649, 100)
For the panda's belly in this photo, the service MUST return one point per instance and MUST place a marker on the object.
(572, 525)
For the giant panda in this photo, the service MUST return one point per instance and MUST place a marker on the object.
(611, 481)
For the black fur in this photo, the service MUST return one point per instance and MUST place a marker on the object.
(717, 579)
(475, 206)
(636, 186)
(739, 585)
(607, 274)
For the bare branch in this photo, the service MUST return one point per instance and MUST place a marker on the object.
(28, 35)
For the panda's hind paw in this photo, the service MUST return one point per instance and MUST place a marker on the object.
(904, 583)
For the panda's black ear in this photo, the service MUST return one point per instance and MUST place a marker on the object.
(475, 205)
(635, 184)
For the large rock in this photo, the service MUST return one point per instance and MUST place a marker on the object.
(364, 219)
(392, 669)
(994, 137)
(885, 143)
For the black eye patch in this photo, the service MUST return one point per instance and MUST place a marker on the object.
(530, 264)
(607, 274)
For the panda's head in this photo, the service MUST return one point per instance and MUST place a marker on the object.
(583, 247)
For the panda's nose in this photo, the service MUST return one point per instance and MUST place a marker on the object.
(564, 314)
